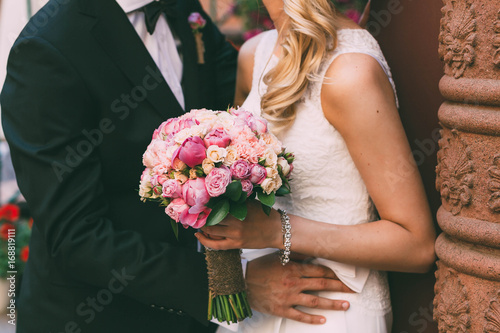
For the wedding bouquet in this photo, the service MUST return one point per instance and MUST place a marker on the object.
(204, 165)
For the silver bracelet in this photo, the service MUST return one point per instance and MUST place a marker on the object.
(286, 229)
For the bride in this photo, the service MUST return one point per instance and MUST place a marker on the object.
(326, 89)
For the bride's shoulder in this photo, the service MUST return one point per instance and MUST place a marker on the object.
(353, 84)
(249, 48)
(246, 57)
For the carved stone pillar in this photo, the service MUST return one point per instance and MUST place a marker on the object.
(468, 171)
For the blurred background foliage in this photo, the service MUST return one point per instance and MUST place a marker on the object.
(243, 19)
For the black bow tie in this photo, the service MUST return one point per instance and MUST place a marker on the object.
(153, 11)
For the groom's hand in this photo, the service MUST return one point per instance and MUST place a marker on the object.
(277, 289)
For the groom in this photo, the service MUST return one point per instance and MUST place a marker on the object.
(88, 82)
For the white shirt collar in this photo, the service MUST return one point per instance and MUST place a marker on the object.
(131, 5)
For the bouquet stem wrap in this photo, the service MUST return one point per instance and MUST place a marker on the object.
(227, 299)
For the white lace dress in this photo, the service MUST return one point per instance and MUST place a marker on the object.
(326, 187)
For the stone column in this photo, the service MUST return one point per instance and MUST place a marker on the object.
(468, 171)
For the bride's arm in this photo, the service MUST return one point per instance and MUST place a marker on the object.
(245, 70)
(358, 101)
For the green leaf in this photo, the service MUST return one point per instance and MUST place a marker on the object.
(238, 210)
(243, 197)
(219, 212)
(175, 228)
(253, 195)
(266, 209)
(213, 202)
(283, 190)
(266, 199)
(234, 190)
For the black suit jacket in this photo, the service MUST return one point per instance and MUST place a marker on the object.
(79, 106)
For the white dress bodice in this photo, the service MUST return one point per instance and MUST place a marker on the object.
(326, 187)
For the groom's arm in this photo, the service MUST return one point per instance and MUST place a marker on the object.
(45, 109)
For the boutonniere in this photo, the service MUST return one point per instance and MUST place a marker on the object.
(197, 22)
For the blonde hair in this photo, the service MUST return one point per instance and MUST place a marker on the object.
(311, 27)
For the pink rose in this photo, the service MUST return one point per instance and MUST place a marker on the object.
(192, 151)
(162, 179)
(156, 134)
(196, 21)
(170, 126)
(172, 189)
(217, 137)
(240, 169)
(195, 194)
(195, 220)
(174, 125)
(158, 179)
(247, 186)
(258, 124)
(176, 208)
(217, 181)
(257, 174)
(242, 114)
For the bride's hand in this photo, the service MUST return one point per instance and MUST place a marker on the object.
(257, 231)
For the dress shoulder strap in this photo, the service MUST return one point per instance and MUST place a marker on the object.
(358, 41)
(263, 54)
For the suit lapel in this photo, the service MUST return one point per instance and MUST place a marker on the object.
(119, 39)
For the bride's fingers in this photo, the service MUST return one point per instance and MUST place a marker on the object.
(214, 237)
(216, 244)
(316, 302)
(218, 230)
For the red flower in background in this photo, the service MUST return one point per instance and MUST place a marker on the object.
(4, 230)
(25, 252)
(10, 212)
(353, 14)
(30, 222)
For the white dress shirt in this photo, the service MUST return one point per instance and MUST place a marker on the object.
(161, 45)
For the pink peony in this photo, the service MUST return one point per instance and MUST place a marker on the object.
(217, 137)
(195, 220)
(176, 208)
(174, 125)
(217, 181)
(247, 186)
(257, 174)
(240, 169)
(172, 189)
(192, 151)
(195, 194)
